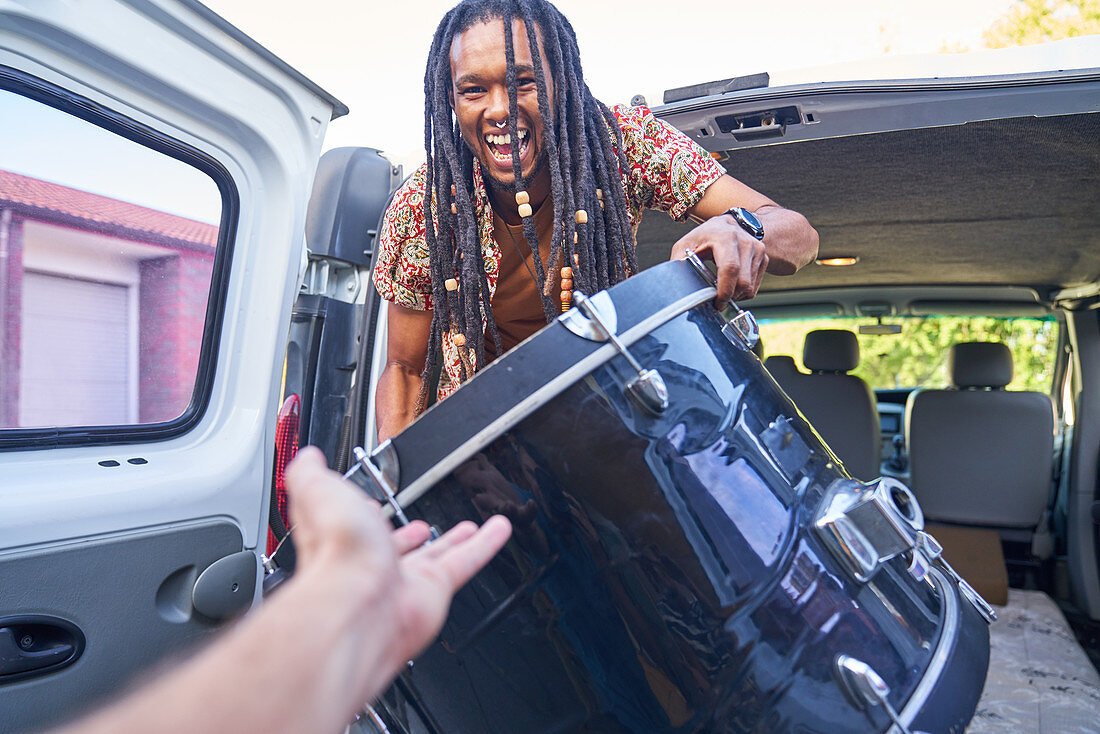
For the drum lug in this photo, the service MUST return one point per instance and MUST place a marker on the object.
(867, 525)
(647, 387)
(742, 330)
(383, 478)
(929, 548)
(865, 687)
(584, 326)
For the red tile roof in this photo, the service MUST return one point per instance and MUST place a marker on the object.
(106, 215)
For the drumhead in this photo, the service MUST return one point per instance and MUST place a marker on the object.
(529, 376)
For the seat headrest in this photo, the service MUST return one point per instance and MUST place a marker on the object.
(830, 350)
(980, 364)
(780, 365)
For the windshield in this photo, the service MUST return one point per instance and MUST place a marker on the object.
(917, 357)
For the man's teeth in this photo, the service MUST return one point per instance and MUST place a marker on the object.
(505, 139)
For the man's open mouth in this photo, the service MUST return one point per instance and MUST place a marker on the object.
(500, 146)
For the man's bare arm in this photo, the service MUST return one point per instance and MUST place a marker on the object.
(364, 600)
(407, 332)
(789, 240)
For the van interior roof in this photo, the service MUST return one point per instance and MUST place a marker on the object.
(1007, 201)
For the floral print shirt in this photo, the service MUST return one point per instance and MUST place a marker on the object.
(666, 170)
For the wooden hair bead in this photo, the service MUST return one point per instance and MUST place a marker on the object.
(567, 284)
(599, 194)
(574, 238)
(453, 190)
(581, 216)
(522, 197)
(459, 340)
(525, 210)
(454, 209)
(450, 284)
(566, 296)
(576, 259)
(567, 272)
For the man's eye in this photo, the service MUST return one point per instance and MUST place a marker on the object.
(526, 83)
(467, 91)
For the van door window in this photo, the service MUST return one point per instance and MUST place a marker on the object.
(107, 254)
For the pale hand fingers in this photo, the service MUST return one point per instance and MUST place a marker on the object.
(461, 560)
(410, 537)
(440, 545)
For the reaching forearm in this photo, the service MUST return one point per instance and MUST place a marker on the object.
(398, 395)
(789, 240)
(331, 656)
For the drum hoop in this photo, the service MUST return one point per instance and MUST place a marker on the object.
(545, 394)
(938, 661)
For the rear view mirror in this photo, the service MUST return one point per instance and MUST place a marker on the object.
(880, 328)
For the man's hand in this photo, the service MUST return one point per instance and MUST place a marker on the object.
(741, 259)
(789, 240)
(405, 587)
(363, 600)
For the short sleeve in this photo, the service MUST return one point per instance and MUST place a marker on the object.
(667, 169)
(403, 272)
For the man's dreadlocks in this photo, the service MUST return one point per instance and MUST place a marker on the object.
(583, 147)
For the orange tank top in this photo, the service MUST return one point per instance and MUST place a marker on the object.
(517, 307)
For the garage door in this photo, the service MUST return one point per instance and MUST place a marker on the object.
(76, 362)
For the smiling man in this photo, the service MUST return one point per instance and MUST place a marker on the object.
(533, 189)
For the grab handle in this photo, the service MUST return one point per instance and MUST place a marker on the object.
(34, 645)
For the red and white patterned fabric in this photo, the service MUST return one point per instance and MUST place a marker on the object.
(666, 171)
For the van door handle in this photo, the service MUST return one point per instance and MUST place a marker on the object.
(33, 645)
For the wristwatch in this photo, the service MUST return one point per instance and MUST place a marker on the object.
(747, 220)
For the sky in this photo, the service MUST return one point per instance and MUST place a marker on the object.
(371, 54)
(42, 142)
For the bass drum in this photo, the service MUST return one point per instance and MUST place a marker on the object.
(696, 564)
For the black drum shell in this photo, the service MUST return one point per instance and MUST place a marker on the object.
(664, 575)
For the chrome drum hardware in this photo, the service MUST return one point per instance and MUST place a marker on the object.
(647, 387)
(865, 525)
(742, 330)
(866, 688)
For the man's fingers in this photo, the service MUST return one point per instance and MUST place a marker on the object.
(761, 269)
(727, 258)
(410, 537)
(464, 559)
(449, 539)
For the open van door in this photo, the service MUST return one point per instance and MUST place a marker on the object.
(155, 167)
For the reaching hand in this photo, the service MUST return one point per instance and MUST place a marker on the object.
(364, 599)
(403, 587)
(740, 258)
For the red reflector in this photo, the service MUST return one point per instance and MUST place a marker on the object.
(286, 446)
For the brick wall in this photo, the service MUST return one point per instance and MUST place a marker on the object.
(11, 315)
(172, 313)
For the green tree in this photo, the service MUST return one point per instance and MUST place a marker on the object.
(1038, 21)
(917, 357)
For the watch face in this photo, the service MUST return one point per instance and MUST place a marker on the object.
(748, 222)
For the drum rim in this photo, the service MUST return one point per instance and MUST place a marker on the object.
(940, 657)
(551, 389)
